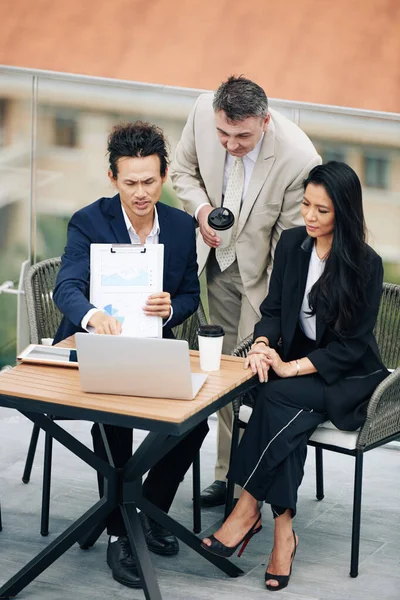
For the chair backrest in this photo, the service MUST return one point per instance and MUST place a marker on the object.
(43, 315)
(188, 329)
(387, 328)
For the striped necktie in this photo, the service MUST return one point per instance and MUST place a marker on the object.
(232, 200)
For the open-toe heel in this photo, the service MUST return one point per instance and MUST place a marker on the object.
(282, 580)
(219, 549)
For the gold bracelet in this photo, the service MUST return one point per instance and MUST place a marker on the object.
(298, 367)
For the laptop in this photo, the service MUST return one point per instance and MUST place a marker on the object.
(153, 367)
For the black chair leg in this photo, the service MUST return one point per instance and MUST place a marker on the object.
(355, 535)
(231, 486)
(196, 494)
(319, 473)
(31, 454)
(48, 451)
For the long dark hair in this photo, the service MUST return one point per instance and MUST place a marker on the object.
(340, 291)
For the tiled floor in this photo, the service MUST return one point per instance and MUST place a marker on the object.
(322, 562)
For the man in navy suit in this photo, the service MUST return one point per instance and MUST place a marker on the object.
(138, 168)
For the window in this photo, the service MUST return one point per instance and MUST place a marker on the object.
(333, 154)
(66, 131)
(376, 172)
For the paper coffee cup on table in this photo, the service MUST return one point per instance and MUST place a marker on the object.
(222, 220)
(46, 341)
(210, 338)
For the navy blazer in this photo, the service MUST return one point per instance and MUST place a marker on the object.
(103, 223)
(350, 366)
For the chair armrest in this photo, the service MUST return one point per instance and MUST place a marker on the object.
(383, 413)
(241, 349)
(201, 315)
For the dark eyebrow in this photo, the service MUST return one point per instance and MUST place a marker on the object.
(236, 134)
(128, 179)
(317, 205)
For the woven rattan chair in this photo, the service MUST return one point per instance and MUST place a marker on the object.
(44, 319)
(382, 424)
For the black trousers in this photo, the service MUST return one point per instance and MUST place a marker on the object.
(269, 462)
(162, 480)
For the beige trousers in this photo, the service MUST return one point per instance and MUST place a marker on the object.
(230, 308)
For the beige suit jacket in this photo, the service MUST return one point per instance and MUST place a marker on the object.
(273, 198)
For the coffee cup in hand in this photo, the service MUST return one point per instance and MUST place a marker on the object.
(210, 339)
(222, 220)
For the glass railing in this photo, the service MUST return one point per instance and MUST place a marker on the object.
(53, 132)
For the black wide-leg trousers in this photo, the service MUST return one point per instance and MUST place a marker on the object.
(269, 462)
(162, 480)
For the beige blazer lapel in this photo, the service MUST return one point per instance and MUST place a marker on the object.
(213, 169)
(260, 173)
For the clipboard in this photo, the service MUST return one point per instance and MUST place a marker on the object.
(122, 276)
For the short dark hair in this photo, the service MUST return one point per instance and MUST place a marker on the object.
(240, 98)
(137, 139)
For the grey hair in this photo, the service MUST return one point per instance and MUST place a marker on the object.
(240, 98)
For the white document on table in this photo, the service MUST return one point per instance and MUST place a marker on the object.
(122, 277)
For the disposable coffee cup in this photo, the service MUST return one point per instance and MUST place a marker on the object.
(222, 220)
(210, 338)
(46, 341)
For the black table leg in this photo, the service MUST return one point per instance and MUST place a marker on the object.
(187, 537)
(153, 447)
(54, 550)
(140, 551)
(84, 526)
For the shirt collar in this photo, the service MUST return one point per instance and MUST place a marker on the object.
(156, 224)
(253, 154)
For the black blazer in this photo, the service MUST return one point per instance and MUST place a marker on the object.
(103, 223)
(349, 366)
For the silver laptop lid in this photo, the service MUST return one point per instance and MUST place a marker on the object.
(152, 367)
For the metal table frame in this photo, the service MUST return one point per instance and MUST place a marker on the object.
(123, 487)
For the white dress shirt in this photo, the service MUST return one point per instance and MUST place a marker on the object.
(152, 238)
(249, 160)
(307, 321)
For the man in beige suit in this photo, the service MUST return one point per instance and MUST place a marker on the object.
(234, 152)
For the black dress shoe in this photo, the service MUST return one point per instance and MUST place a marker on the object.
(159, 540)
(214, 494)
(122, 563)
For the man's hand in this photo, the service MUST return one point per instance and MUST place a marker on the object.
(158, 305)
(209, 235)
(103, 323)
(256, 360)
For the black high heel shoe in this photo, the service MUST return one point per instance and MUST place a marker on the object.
(219, 549)
(282, 580)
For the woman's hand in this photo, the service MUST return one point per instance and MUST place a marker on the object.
(256, 360)
(281, 368)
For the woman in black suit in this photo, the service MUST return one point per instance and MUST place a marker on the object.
(315, 355)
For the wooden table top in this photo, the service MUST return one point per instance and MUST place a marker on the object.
(60, 386)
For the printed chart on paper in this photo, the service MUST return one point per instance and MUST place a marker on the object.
(121, 279)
